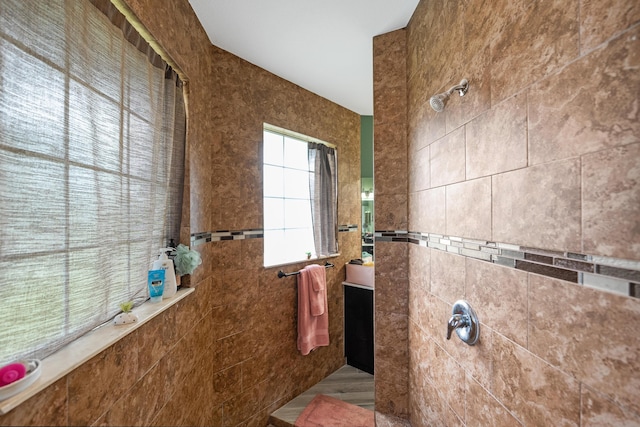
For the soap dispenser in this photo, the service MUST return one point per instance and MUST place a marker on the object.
(164, 263)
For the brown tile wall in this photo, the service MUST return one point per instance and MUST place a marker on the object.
(542, 152)
(390, 172)
(226, 355)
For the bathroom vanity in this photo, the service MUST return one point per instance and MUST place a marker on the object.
(358, 326)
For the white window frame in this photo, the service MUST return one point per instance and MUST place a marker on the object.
(291, 240)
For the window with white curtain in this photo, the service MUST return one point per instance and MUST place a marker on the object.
(299, 197)
(91, 169)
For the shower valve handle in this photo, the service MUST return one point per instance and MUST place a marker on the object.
(457, 321)
(465, 322)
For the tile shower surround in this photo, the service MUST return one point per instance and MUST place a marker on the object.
(604, 273)
(548, 162)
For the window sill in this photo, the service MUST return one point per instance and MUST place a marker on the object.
(86, 347)
(312, 259)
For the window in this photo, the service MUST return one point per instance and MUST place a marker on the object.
(91, 164)
(299, 199)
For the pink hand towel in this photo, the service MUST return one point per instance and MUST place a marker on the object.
(317, 278)
(313, 317)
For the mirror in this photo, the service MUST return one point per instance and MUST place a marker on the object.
(366, 182)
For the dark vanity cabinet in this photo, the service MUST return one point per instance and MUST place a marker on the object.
(358, 327)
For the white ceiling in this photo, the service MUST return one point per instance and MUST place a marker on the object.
(324, 46)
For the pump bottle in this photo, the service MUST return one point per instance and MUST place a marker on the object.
(164, 263)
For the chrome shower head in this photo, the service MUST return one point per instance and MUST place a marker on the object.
(438, 101)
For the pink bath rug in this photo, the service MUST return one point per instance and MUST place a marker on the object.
(326, 411)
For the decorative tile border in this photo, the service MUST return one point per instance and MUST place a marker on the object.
(216, 236)
(609, 274)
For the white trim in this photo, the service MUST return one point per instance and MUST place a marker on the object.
(300, 136)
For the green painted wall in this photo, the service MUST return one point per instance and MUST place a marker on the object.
(366, 146)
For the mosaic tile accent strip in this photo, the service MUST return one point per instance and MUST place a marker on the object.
(216, 236)
(608, 274)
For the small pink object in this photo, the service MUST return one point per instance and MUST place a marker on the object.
(12, 373)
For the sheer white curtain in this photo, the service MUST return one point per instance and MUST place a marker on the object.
(91, 169)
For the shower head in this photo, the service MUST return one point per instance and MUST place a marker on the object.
(438, 101)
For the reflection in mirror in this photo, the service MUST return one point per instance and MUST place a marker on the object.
(367, 223)
(366, 182)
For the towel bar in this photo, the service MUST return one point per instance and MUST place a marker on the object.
(282, 274)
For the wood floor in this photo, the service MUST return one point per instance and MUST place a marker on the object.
(347, 383)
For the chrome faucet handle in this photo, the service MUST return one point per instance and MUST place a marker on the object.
(465, 322)
(456, 321)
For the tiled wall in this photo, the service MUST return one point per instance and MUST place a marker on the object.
(390, 174)
(226, 355)
(541, 155)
